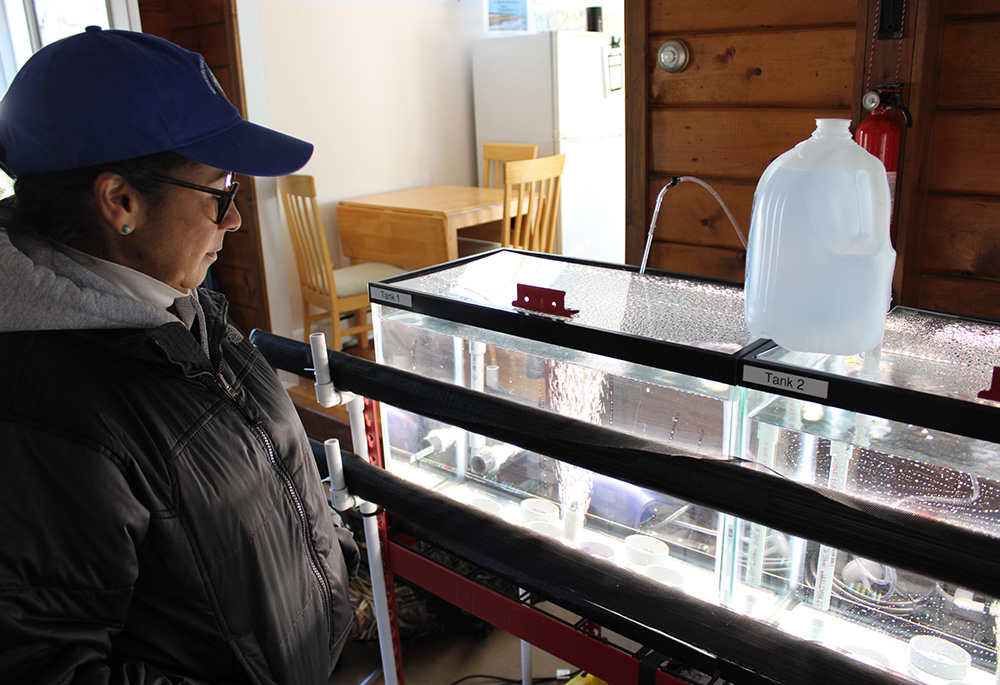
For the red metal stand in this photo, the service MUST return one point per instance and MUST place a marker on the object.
(580, 645)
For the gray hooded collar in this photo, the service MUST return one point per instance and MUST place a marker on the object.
(41, 288)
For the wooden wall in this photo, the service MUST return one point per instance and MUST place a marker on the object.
(209, 28)
(953, 177)
(749, 92)
(758, 76)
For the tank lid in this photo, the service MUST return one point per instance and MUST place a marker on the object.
(622, 314)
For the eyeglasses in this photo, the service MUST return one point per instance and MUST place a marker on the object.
(223, 198)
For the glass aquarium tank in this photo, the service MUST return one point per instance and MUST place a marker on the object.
(910, 426)
(668, 359)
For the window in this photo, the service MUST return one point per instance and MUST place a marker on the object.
(61, 18)
(28, 25)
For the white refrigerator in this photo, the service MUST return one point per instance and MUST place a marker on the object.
(565, 91)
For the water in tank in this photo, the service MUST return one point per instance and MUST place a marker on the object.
(613, 363)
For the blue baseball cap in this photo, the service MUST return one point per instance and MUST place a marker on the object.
(105, 96)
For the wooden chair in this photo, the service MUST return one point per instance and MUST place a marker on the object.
(337, 293)
(409, 239)
(532, 187)
(495, 155)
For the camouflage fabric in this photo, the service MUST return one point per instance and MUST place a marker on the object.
(419, 612)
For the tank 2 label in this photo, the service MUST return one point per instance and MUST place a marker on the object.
(785, 381)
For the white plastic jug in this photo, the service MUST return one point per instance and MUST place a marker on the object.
(819, 260)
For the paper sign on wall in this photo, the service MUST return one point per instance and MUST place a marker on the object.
(508, 15)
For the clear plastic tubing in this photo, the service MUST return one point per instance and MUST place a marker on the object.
(656, 212)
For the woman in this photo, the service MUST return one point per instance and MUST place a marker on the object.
(161, 516)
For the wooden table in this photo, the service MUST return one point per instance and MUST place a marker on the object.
(417, 227)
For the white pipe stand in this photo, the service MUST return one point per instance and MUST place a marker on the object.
(328, 396)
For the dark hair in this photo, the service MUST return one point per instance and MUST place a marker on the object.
(60, 204)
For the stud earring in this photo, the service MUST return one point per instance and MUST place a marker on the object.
(126, 230)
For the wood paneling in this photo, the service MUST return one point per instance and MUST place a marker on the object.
(210, 41)
(965, 296)
(965, 239)
(242, 287)
(717, 15)
(690, 214)
(759, 75)
(968, 74)
(753, 67)
(965, 152)
(185, 13)
(953, 263)
(155, 23)
(911, 191)
(240, 247)
(880, 61)
(728, 265)
(727, 143)
(971, 8)
(636, 128)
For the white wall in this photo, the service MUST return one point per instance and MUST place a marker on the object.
(383, 89)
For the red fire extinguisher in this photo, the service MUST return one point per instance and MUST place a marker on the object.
(881, 133)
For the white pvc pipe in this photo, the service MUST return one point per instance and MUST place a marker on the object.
(526, 670)
(840, 457)
(462, 440)
(477, 365)
(340, 498)
(477, 381)
(382, 621)
(359, 436)
(325, 393)
(803, 474)
(767, 443)
(526, 677)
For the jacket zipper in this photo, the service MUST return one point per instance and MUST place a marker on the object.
(265, 440)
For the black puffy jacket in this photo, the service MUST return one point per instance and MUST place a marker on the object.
(161, 516)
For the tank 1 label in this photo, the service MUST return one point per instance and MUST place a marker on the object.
(390, 297)
(785, 381)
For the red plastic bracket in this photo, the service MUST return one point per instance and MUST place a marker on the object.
(993, 393)
(535, 298)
